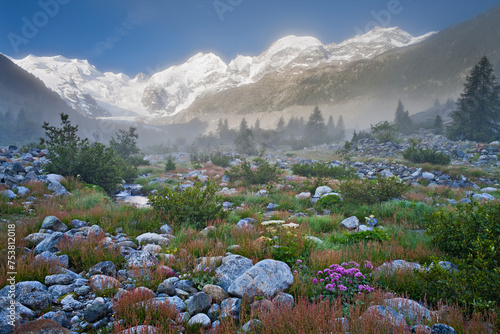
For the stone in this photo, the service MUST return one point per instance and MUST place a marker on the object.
(153, 249)
(103, 282)
(489, 190)
(23, 191)
(142, 329)
(107, 268)
(442, 329)
(29, 286)
(217, 293)
(231, 268)
(166, 229)
(483, 197)
(8, 193)
(428, 176)
(18, 167)
(95, 312)
(266, 278)
(55, 178)
(58, 291)
(198, 303)
(153, 238)
(166, 287)
(252, 326)
(71, 302)
(272, 206)
(42, 326)
(61, 319)
(303, 195)
(214, 312)
(36, 238)
(19, 312)
(177, 303)
(382, 315)
(398, 265)
(141, 260)
(350, 223)
(59, 279)
(49, 243)
(56, 187)
(200, 319)
(36, 301)
(284, 299)
(230, 307)
(82, 290)
(411, 309)
(320, 191)
(76, 223)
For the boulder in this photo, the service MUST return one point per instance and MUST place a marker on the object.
(198, 303)
(36, 301)
(176, 302)
(442, 329)
(411, 309)
(384, 315)
(266, 278)
(142, 259)
(320, 191)
(398, 265)
(8, 194)
(54, 224)
(42, 326)
(22, 191)
(59, 279)
(49, 244)
(153, 238)
(76, 223)
(103, 282)
(230, 307)
(350, 223)
(200, 319)
(70, 302)
(232, 267)
(142, 329)
(217, 293)
(95, 312)
(167, 287)
(103, 268)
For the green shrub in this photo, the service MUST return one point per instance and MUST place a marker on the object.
(220, 159)
(194, 206)
(377, 234)
(264, 173)
(328, 202)
(170, 165)
(372, 191)
(420, 156)
(384, 131)
(322, 169)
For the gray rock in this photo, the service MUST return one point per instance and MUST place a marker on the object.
(244, 224)
(200, 319)
(266, 278)
(9, 312)
(142, 260)
(29, 286)
(36, 238)
(284, 299)
(71, 302)
(59, 279)
(56, 187)
(428, 176)
(49, 244)
(398, 265)
(382, 314)
(214, 312)
(103, 268)
(18, 167)
(58, 291)
(167, 287)
(166, 229)
(8, 193)
(61, 319)
(489, 190)
(177, 303)
(230, 307)
(153, 238)
(483, 197)
(82, 290)
(95, 312)
(76, 223)
(55, 178)
(22, 191)
(252, 326)
(303, 195)
(411, 309)
(350, 223)
(442, 329)
(36, 300)
(198, 303)
(271, 207)
(320, 191)
(217, 293)
(103, 282)
(142, 329)
(231, 268)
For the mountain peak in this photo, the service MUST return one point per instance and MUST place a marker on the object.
(294, 42)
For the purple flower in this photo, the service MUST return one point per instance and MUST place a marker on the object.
(320, 272)
(295, 272)
(342, 287)
(344, 264)
(322, 280)
(315, 280)
(358, 275)
(354, 263)
(299, 260)
(368, 265)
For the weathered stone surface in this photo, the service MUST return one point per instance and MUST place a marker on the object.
(350, 223)
(320, 191)
(200, 319)
(217, 293)
(252, 326)
(410, 309)
(177, 303)
(49, 244)
(153, 238)
(266, 278)
(214, 312)
(61, 290)
(76, 223)
(142, 329)
(71, 302)
(142, 260)
(53, 223)
(283, 299)
(95, 312)
(37, 300)
(107, 268)
(42, 326)
(384, 315)
(20, 312)
(59, 279)
(398, 265)
(198, 303)
(230, 307)
(303, 195)
(232, 267)
(442, 329)
(167, 287)
(103, 282)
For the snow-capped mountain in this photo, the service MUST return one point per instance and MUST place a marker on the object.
(171, 91)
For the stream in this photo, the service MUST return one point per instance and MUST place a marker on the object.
(131, 196)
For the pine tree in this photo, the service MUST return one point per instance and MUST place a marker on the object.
(477, 116)
(243, 126)
(402, 118)
(281, 124)
(438, 125)
(340, 129)
(330, 126)
(315, 131)
(256, 126)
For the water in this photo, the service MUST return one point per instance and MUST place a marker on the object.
(128, 196)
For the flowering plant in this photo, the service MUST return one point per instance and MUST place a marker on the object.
(203, 277)
(344, 281)
(371, 221)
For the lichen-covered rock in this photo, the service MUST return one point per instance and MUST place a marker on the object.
(231, 268)
(266, 278)
(54, 224)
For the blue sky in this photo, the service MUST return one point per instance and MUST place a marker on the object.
(134, 36)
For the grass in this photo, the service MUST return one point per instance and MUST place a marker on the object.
(403, 220)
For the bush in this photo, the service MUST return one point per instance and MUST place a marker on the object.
(328, 202)
(170, 165)
(384, 131)
(377, 234)
(220, 159)
(372, 191)
(324, 170)
(194, 206)
(420, 156)
(264, 173)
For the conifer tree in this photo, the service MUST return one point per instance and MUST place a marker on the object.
(402, 118)
(315, 131)
(438, 125)
(340, 129)
(477, 116)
